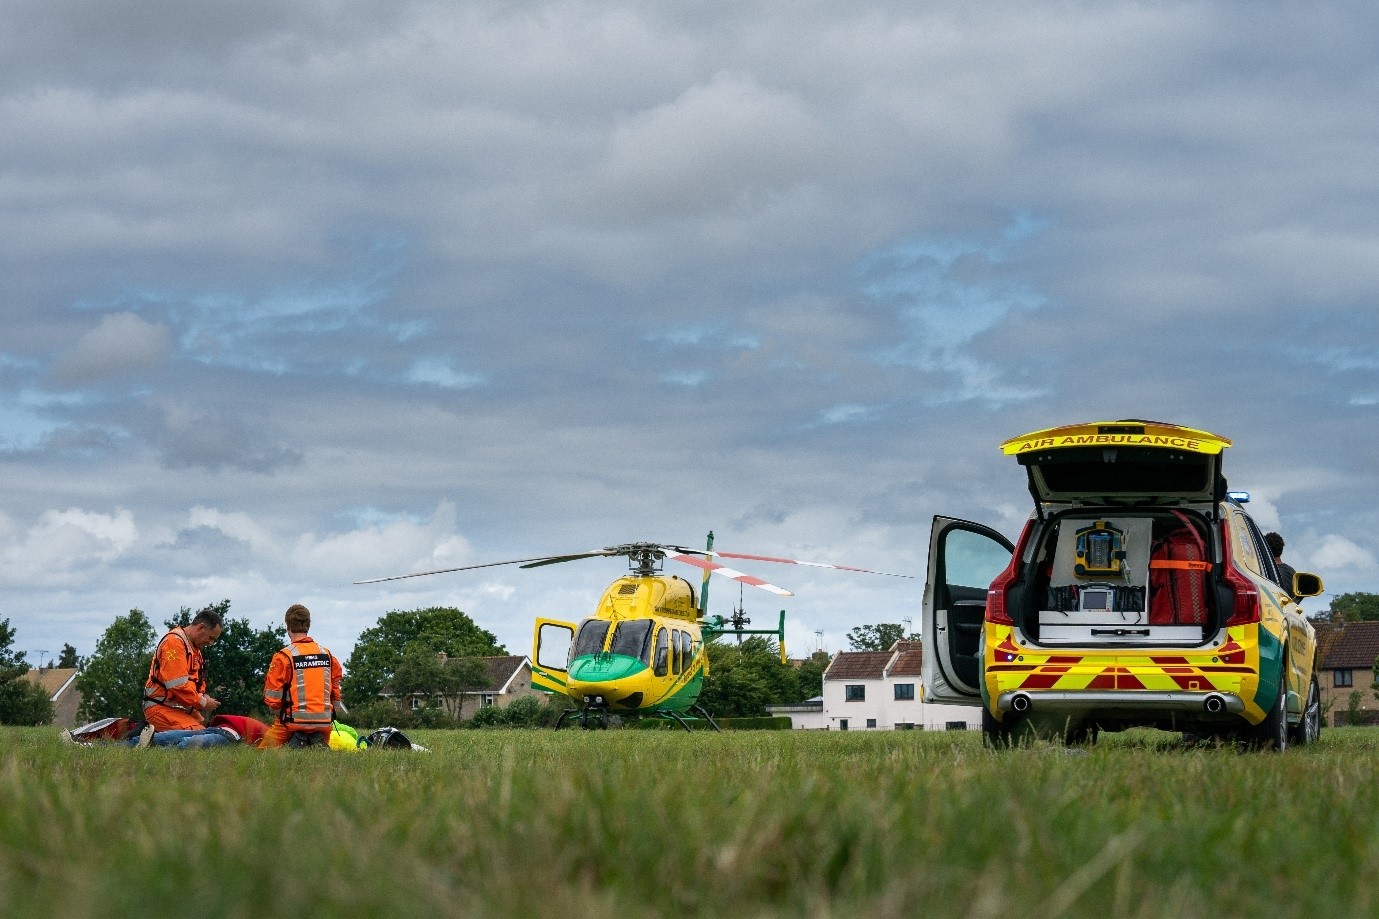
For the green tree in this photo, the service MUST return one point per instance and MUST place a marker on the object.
(24, 703)
(10, 660)
(1354, 714)
(238, 661)
(112, 685)
(810, 675)
(68, 657)
(442, 680)
(879, 637)
(744, 679)
(21, 702)
(380, 649)
(1356, 607)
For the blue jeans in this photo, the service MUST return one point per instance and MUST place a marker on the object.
(186, 740)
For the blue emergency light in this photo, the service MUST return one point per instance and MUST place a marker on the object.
(1239, 497)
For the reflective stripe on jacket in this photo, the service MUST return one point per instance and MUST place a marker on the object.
(303, 685)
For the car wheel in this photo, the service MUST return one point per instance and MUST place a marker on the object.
(1309, 729)
(1084, 733)
(1272, 732)
(1002, 735)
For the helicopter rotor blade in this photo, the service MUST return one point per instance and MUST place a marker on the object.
(557, 559)
(524, 562)
(727, 572)
(795, 561)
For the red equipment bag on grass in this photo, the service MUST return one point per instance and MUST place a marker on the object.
(107, 730)
(1178, 570)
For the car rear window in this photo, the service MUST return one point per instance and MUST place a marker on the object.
(1121, 471)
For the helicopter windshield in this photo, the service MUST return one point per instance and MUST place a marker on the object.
(632, 639)
(589, 640)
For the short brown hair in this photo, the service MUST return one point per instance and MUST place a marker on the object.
(298, 618)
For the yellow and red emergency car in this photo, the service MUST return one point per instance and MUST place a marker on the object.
(1140, 592)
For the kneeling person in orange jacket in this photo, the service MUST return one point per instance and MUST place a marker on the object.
(302, 686)
(175, 696)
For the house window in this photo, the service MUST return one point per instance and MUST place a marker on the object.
(488, 700)
(416, 702)
(1342, 678)
(904, 692)
(855, 692)
(871, 722)
(842, 724)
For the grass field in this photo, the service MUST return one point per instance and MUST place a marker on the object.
(536, 823)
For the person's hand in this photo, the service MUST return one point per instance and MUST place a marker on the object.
(210, 705)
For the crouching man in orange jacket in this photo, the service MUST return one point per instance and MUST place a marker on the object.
(302, 686)
(175, 693)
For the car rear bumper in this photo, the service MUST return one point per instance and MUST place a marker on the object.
(1116, 701)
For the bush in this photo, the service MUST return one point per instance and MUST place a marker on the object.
(22, 702)
(524, 712)
(386, 713)
(765, 723)
(490, 716)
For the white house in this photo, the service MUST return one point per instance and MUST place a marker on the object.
(881, 690)
(804, 716)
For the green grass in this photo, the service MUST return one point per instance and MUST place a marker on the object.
(572, 824)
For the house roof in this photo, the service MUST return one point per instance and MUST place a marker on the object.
(53, 680)
(501, 671)
(908, 662)
(1347, 645)
(858, 665)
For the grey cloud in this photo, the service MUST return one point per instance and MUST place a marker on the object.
(570, 212)
(199, 551)
(189, 438)
(122, 343)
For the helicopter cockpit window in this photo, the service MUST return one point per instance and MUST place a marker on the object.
(632, 639)
(686, 650)
(662, 652)
(590, 637)
(677, 660)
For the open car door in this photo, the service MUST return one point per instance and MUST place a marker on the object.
(964, 558)
(550, 655)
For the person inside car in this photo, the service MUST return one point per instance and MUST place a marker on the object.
(1285, 570)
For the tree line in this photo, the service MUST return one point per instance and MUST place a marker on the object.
(433, 655)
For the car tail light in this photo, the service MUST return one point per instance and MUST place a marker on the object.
(1246, 608)
(996, 593)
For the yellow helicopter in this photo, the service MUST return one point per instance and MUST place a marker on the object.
(642, 651)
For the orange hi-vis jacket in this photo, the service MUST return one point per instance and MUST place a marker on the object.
(303, 686)
(176, 687)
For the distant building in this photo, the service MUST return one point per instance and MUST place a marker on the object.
(1346, 652)
(807, 715)
(878, 690)
(508, 679)
(60, 683)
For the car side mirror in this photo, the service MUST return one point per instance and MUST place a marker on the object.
(1306, 584)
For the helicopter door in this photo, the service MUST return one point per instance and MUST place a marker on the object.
(964, 558)
(550, 654)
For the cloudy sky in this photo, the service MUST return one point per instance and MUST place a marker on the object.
(298, 294)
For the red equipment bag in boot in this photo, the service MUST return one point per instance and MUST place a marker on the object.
(1178, 569)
